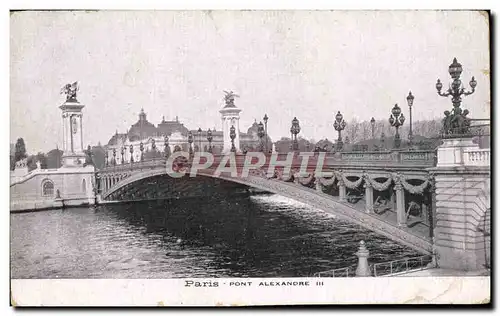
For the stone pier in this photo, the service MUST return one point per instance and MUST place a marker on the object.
(462, 224)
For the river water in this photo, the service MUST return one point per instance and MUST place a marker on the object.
(256, 236)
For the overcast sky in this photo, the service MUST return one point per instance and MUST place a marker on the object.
(308, 64)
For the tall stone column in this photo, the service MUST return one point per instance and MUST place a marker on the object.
(400, 203)
(342, 190)
(318, 185)
(73, 154)
(425, 212)
(230, 116)
(368, 197)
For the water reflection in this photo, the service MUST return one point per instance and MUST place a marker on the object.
(240, 237)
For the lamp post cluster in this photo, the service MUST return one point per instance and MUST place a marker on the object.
(294, 130)
(457, 121)
(232, 135)
(190, 141)
(122, 152)
(409, 100)
(209, 138)
(199, 139)
(396, 120)
(265, 130)
(339, 126)
(372, 122)
(261, 133)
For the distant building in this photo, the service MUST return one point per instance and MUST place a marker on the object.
(175, 134)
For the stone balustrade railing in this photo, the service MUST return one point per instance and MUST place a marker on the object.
(341, 159)
(18, 179)
(384, 158)
(477, 157)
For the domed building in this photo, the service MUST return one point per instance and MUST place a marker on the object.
(155, 139)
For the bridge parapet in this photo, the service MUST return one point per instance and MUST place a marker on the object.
(411, 159)
(378, 159)
(477, 157)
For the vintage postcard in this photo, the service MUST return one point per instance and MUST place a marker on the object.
(248, 158)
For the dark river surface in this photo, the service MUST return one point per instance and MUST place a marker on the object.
(256, 236)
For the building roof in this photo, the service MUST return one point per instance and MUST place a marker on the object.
(114, 139)
(143, 129)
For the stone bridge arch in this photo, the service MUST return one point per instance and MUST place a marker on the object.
(309, 196)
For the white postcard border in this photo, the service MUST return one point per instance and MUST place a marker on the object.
(261, 291)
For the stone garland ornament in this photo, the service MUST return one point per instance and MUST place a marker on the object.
(349, 184)
(414, 189)
(327, 181)
(305, 179)
(377, 185)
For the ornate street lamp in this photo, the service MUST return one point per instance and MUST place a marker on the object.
(153, 144)
(294, 130)
(141, 148)
(190, 141)
(382, 141)
(131, 154)
(199, 139)
(396, 120)
(339, 126)
(410, 99)
(114, 156)
(261, 133)
(106, 156)
(209, 138)
(166, 146)
(372, 122)
(457, 122)
(122, 152)
(265, 129)
(232, 135)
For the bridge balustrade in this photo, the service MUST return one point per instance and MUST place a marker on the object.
(387, 159)
(477, 157)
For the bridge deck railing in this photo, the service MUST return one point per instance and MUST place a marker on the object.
(335, 273)
(401, 266)
(413, 158)
(388, 268)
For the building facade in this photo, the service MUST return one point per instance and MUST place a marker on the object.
(155, 139)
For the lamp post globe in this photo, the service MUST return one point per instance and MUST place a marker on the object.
(455, 69)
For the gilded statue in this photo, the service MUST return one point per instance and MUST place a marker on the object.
(70, 90)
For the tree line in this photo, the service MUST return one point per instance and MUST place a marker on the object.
(50, 160)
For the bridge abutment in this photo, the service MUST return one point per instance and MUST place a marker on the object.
(462, 224)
